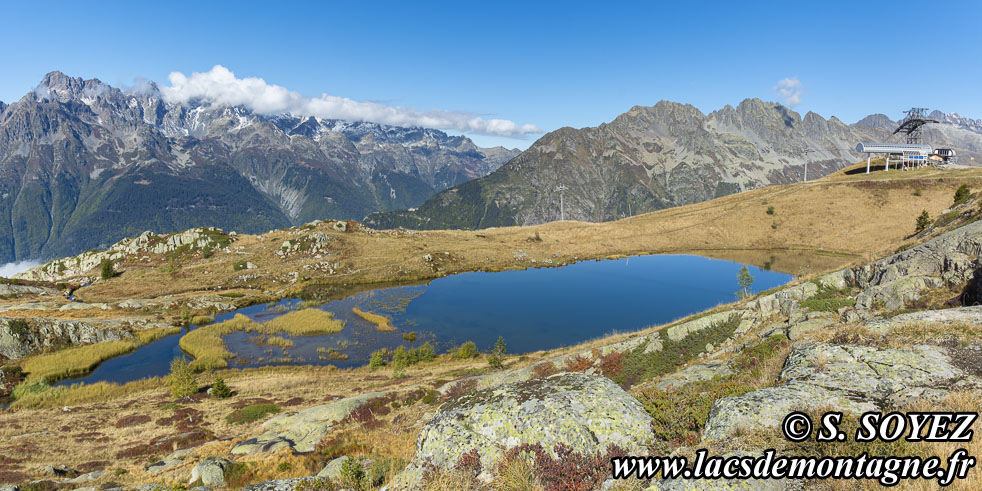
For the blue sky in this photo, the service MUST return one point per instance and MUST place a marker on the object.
(547, 65)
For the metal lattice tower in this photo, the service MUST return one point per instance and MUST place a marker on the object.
(562, 213)
(911, 125)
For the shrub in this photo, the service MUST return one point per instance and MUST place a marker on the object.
(409, 337)
(376, 360)
(578, 363)
(382, 468)
(460, 388)
(430, 397)
(612, 364)
(497, 358)
(352, 474)
(220, 390)
(770, 210)
(19, 328)
(425, 352)
(922, 222)
(466, 350)
(962, 194)
(181, 378)
(106, 269)
(252, 413)
(469, 462)
(918, 192)
(544, 369)
(239, 265)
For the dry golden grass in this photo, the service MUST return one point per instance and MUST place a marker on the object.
(306, 322)
(382, 323)
(81, 359)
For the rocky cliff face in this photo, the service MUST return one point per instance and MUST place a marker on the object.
(661, 156)
(83, 164)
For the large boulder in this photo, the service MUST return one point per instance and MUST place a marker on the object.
(848, 377)
(585, 412)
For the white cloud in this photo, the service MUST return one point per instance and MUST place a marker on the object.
(789, 89)
(9, 269)
(220, 86)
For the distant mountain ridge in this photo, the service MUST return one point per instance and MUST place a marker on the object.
(84, 164)
(655, 157)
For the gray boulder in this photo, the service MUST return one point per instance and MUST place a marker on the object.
(333, 468)
(585, 412)
(210, 471)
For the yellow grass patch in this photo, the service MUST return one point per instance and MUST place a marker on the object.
(382, 323)
(65, 363)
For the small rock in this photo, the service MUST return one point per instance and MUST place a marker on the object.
(210, 471)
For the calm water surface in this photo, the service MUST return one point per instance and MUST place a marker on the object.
(532, 309)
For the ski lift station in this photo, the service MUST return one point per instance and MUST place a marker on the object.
(913, 153)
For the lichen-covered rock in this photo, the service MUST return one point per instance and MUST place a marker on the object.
(692, 373)
(847, 377)
(587, 413)
(333, 468)
(303, 429)
(211, 471)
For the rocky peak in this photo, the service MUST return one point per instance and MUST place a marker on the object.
(877, 121)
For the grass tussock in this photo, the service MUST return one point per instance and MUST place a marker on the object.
(39, 395)
(208, 348)
(252, 413)
(382, 323)
(61, 364)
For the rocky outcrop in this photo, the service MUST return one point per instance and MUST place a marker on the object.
(848, 377)
(584, 412)
(19, 338)
(947, 260)
(87, 263)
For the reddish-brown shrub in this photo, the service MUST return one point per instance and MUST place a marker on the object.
(132, 420)
(612, 364)
(469, 462)
(460, 388)
(578, 363)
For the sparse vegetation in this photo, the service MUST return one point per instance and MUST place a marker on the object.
(252, 413)
(828, 299)
(770, 210)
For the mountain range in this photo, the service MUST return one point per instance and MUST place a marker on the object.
(84, 164)
(665, 155)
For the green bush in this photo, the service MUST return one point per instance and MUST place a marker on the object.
(497, 358)
(962, 194)
(409, 337)
(425, 352)
(376, 360)
(431, 396)
(770, 210)
(466, 350)
(239, 266)
(181, 378)
(923, 220)
(220, 390)
(107, 269)
(252, 413)
(827, 304)
(352, 474)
